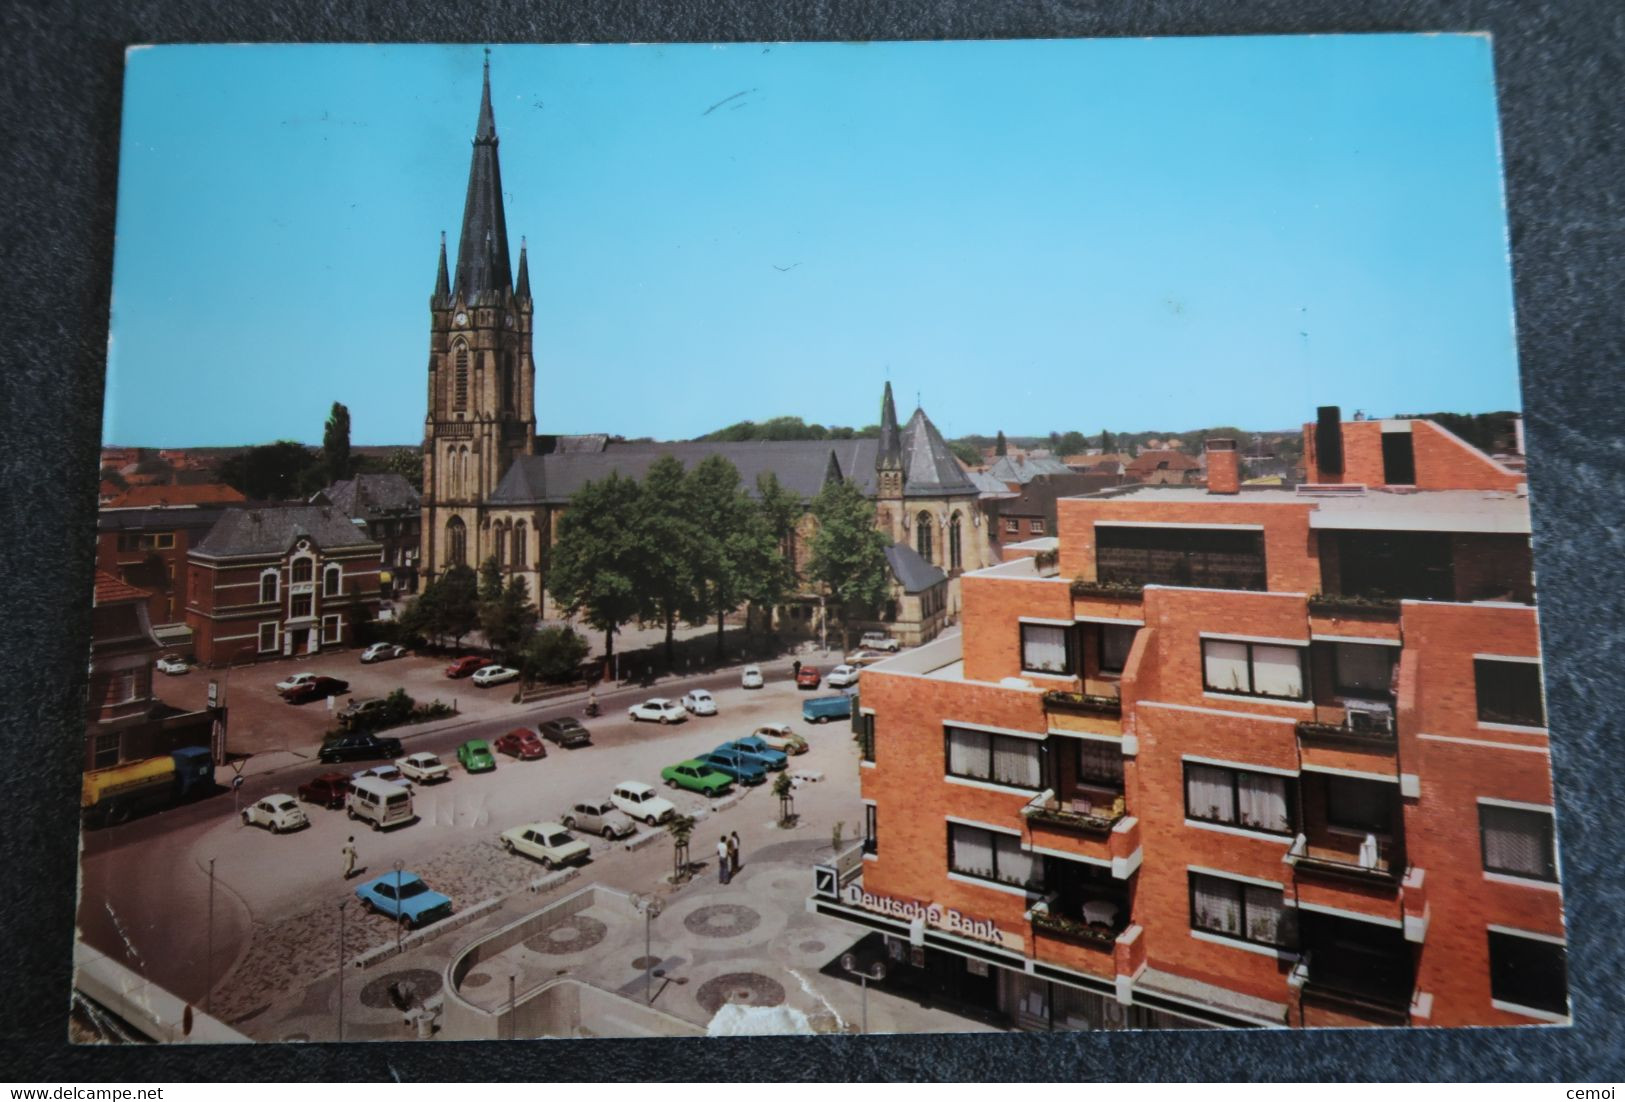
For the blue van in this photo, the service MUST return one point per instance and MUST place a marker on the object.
(822, 709)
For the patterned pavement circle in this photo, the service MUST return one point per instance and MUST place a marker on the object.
(722, 920)
(642, 963)
(574, 935)
(476, 979)
(745, 988)
(812, 946)
(425, 984)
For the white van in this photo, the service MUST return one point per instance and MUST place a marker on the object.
(378, 802)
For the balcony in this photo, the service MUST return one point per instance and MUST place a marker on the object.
(1078, 931)
(1131, 591)
(1333, 604)
(1097, 821)
(1058, 700)
(1371, 861)
(1368, 726)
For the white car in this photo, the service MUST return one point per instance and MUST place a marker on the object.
(877, 640)
(640, 802)
(277, 813)
(842, 676)
(294, 681)
(548, 843)
(494, 675)
(389, 773)
(658, 710)
(599, 817)
(172, 664)
(700, 702)
(424, 767)
(382, 652)
(750, 677)
(781, 738)
(861, 658)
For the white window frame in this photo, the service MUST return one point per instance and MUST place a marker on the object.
(276, 633)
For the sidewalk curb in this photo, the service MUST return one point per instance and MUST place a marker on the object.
(423, 937)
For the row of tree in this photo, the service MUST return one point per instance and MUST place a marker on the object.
(458, 602)
(287, 469)
(787, 428)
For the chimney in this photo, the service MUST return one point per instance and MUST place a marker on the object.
(1223, 466)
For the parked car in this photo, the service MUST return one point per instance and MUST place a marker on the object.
(599, 817)
(495, 675)
(696, 776)
(750, 677)
(404, 897)
(363, 712)
(277, 813)
(294, 679)
(808, 678)
(475, 754)
(521, 743)
(878, 640)
(699, 702)
(389, 773)
(318, 688)
(358, 746)
(842, 676)
(548, 843)
(659, 710)
(424, 767)
(862, 658)
(822, 709)
(772, 759)
(641, 802)
(781, 738)
(467, 665)
(565, 731)
(382, 652)
(741, 767)
(172, 664)
(329, 790)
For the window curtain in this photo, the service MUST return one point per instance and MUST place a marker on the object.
(1043, 648)
(1266, 918)
(1015, 762)
(1015, 866)
(972, 851)
(1514, 841)
(1099, 761)
(1208, 794)
(967, 753)
(1217, 904)
(1224, 666)
(1262, 800)
(1278, 671)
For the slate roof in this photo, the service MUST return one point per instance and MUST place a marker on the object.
(990, 485)
(273, 531)
(1025, 469)
(369, 496)
(910, 570)
(929, 467)
(802, 467)
(483, 272)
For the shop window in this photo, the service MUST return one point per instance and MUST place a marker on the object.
(1247, 912)
(1001, 759)
(1253, 669)
(1528, 971)
(1509, 692)
(1517, 841)
(1046, 648)
(991, 855)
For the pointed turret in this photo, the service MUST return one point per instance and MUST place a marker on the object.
(442, 281)
(521, 287)
(890, 455)
(483, 271)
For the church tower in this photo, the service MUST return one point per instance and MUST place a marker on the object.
(482, 378)
(889, 475)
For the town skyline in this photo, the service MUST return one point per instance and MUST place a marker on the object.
(271, 266)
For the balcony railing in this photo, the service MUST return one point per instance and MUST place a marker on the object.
(1373, 862)
(1131, 590)
(1045, 810)
(1369, 727)
(1334, 604)
(1058, 700)
(1076, 930)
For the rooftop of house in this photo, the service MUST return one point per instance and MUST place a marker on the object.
(274, 531)
(367, 496)
(1349, 507)
(111, 590)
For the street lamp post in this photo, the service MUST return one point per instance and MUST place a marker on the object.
(651, 906)
(400, 915)
(876, 972)
(342, 904)
(208, 961)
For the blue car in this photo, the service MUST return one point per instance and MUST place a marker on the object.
(741, 767)
(753, 747)
(404, 897)
(822, 709)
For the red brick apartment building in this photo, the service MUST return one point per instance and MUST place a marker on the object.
(1231, 757)
(280, 581)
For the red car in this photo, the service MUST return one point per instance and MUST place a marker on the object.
(808, 678)
(521, 743)
(316, 689)
(467, 665)
(329, 790)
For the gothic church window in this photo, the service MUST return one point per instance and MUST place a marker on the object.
(922, 535)
(519, 546)
(954, 544)
(500, 548)
(456, 542)
(459, 397)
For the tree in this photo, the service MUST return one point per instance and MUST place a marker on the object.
(553, 654)
(733, 539)
(681, 829)
(594, 569)
(274, 472)
(848, 553)
(966, 452)
(999, 446)
(1107, 446)
(406, 462)
(670, 547)
(458, 607)
(506, 615)
(1072, 443)
(769, 566)
(336, 443)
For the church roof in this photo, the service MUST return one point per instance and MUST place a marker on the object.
(912, 571)
(802, 467)
(929, 467)
(273, 531)
(367, 496)
(483, 270)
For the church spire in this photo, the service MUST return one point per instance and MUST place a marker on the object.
(442, 282)
(483, 271)
(521, 287)
(890, 455)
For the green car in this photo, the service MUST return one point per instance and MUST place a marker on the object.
(476, 756)
(696, 776)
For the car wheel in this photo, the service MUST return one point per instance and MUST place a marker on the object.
(276, 828)
(366, 905)
(569, 822)
(664, 721)
(671, 784)
(507, 844)
(350, 811)
(375, 826)
(822, 719)
(547, 863)
(405, 921)
(609, 834)
(650, 820)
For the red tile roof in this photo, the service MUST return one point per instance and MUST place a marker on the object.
(111, 590)
(1146, 462)
(144, 497)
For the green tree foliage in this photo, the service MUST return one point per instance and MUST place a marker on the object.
(999, 445)
(553, 654)
(594, 570)
(1107, 444)
(966, 452)
(733, 539)
(848, 553)
(787, 428)
(447, 607)
(406, 462)
(506, 615)
(670, 547)
(274, 472)
(336, 443)
(769, 565)
(1072, 443)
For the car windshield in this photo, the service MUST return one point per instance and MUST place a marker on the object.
(559, 839)
(285, 805)
(416, 887)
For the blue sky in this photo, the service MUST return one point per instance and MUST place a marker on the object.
(1032, 236)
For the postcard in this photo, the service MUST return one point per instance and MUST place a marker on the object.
(916, 537)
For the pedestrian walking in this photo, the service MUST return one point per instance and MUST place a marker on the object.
(795, 669)
(349, 857)
(733, 852)
(724, 865)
